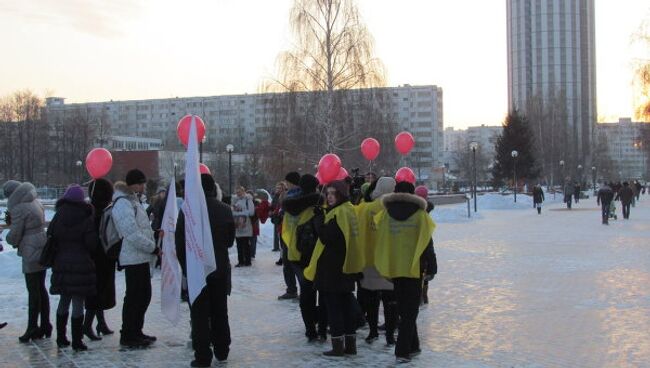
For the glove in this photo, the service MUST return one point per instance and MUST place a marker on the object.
(428, 277)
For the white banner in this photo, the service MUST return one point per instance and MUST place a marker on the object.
(198, 236)
(170, 284)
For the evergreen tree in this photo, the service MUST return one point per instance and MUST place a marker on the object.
(516, 136)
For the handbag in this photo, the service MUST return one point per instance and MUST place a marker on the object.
(48, 253)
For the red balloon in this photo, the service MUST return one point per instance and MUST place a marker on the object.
(343, 173)
(405, 174)
(329, 167)
(370, 148)
(183, 128)
(99, 162)
(204, 169)
(320, 180)
(404, 142)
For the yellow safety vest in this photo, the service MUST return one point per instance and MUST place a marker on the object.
(367, 229)
(346, 219)
(290, 226)
(401, 243)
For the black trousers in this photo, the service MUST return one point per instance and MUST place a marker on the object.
(209, 314)
(407, 294)
(314, 316)
(38, 300)
(605, 212)
(288, 271)
(341, 314)
(243, 251)
(136, 299)
(276, 238)
(626, 210)
(371, 309)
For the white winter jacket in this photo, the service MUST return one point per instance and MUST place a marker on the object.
(242, 210)
(132, 222)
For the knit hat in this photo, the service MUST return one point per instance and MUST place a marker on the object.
(422, 191)
(404, 187)
(208, 184)
(135, 176)
(293, 178)
(9, 187)
(74, 193)
(342, 187)
(100, 192)
(308, 183)
(385, 185)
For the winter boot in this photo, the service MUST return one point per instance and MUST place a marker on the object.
(61, 324)
(539, 210)
(102, 327)
(88, 325)
(351, 344)
(77, 333)
(32, 332)
(337, 347)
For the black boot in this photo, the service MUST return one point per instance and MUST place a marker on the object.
(61, 324)
(390, 314)
(32, 332)
(337, 347)
(88, 325)
(539, 210)
(102, 327)
(77, 333)
(351, 344)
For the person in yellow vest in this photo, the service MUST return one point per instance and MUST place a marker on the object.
(404, 230)
(299, 235)
(374, 287)
(334, 264)
(429, 263)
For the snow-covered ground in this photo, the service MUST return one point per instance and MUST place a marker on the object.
(514, 289)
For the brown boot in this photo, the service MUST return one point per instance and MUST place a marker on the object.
(351, 344)
(337, 347)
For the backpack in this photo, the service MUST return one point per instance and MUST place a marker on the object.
(108, 235)
(307, 239)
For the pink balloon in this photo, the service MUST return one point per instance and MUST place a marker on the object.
(329, 166)
(204, 169)
(405, 174)
(370, 148)
(343, 173)
(99, 162)
(404, 142)
(320, 180)
(183, 128)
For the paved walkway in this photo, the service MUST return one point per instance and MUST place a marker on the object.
(515, 289)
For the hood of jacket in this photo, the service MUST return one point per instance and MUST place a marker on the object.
(25, 193)
(121, 190)
(295, 205)
(73, 213)
(401, 206)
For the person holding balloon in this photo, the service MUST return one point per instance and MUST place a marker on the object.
(404, 230)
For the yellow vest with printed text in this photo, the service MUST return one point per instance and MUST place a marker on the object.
(367, 229)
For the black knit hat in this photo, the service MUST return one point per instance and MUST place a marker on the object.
(308, 183)
(208, 184)
(100, 191)
(293, 178)
(404, 187)
(135, 176)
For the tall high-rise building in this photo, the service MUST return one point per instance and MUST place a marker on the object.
(552, 74)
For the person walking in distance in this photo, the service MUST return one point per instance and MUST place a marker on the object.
(626, 196)
(568, 193)
(604, 199)
(138, 251)
(538, 198)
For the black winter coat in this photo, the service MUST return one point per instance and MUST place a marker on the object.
(626, 195)
(306, 233)
(73, 230)
(222, 226)
(104, 271)
(329, 272)
(538, 195)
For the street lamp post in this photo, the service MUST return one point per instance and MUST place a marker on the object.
(580, 174)
(79, 163)
(514, 154)
(443, 167)
(474, 146)
(593, 178)
(229, 149)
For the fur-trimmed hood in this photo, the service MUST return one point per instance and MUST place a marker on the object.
(24, 193)
(121, 190)
(294, 206)
(401, 206)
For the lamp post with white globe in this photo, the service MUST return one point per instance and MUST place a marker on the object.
(514, 154)
(229, 149)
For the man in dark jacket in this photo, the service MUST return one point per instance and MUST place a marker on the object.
(626, 196)
(538, 198)
(604, 199)
(209, 312)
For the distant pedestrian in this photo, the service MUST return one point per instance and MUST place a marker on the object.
(276, 215)
(538, 198)
(604, 199)
(292, 180)
(576, 192)
(626, 196)
(569, 189)
(243, 210)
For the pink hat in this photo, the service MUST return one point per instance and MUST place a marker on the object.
(422, 191)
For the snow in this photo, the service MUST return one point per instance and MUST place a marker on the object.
(514, 288)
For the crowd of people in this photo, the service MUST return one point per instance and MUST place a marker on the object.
(348, 247)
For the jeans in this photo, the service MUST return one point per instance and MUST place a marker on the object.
(407, 294)
(136, 299)
(38, 299)
(288, 272)
(340, 313)
(276, 238)
(253, 246)
(605, 212)
(626, 210)
(209, 318)
(243, 251)
(77, 305)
